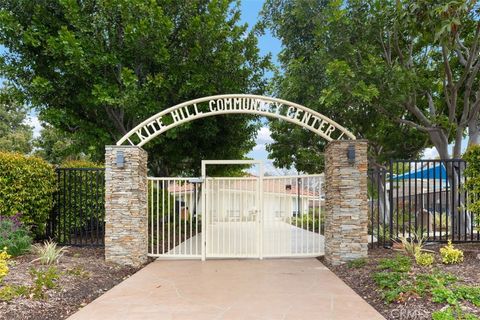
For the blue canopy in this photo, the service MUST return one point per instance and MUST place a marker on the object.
(438, 173)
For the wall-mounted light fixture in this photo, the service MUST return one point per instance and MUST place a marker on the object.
(120, 159)
(351, 154)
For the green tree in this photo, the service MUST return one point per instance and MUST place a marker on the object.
(394, 72)
(322, 67)
(15, 134)
(57, 146)
(98, 68)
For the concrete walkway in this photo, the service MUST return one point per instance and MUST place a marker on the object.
(231, 289)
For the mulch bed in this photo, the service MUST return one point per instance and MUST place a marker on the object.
(360, 280)
(92, 278)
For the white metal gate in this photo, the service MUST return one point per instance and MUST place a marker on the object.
(236, 217)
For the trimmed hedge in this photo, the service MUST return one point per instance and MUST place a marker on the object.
(80, 164)
(27, 185)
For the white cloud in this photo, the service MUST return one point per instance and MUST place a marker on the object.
(33, 121)
(430, 153)
(264, 136)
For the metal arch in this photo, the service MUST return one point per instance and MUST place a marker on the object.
(126, 137)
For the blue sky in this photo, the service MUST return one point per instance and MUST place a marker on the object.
(267, 44)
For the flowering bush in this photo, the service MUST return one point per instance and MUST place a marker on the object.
(14, 235)
(4, 256)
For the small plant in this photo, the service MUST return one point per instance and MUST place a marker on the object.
(453, 313)
(400, 286)
(399, 264)
(450, 254)
(424, 259)
(10, 292)
(413, 245)
(442, 294)
(469, 293)
(78, 271)
(14, 235)
(4, 256)
(388, 280)
(43, 280)
(48, 252)
(452, 296)
(357, 263)
(395, 285)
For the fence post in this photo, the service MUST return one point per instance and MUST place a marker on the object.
(390, 199)
(346, 219)
(126, 205)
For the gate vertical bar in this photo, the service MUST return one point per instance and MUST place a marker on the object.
(204, 213)
(390, 197)
(260, 215)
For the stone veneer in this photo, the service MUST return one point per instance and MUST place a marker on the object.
(346, 219)
(126, 206)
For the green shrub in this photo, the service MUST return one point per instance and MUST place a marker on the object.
(43, 280)
(27, 185)
(450, 255)
(14, 236)
(472, 181)
(424, 259)
(311, 221)
(80, 164)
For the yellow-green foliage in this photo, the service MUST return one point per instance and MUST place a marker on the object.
(450, 255)
(472, 184)
(10, 292)
(424, 259)
(4, 256)
(80, 164)
(26, 185)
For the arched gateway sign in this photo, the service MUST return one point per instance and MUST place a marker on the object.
(235, 104)
(129, 235)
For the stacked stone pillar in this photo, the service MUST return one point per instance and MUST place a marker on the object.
(126, 205)
(346, 217)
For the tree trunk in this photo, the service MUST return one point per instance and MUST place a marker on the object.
(461, 221)
(474, 132)
(379, 183)
(460, 218)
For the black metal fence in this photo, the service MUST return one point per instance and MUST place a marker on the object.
(79, 212)
(420, 198)
(406, 199)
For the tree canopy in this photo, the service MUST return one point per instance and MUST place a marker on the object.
(97, 68)
(15, 134)
(403, 75)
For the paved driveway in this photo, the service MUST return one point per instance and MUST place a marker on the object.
(231, 289)
(239, 239)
